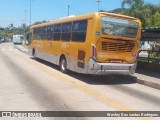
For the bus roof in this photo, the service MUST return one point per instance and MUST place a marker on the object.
(118, 15)
(85, 16)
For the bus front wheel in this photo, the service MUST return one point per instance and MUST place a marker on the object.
(33, 53)
(63, 65)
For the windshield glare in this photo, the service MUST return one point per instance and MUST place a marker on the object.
(119, 27)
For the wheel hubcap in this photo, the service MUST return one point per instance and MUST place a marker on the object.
(63, 65)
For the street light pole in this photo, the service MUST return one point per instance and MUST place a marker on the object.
(68, 9)
(98, 1)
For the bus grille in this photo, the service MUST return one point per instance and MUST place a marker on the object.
(121, 46)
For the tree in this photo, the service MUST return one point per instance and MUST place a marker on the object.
(135, 8)
(1, 28)
(154, 22)
(39, 22)
(138, 9)
(132, 3)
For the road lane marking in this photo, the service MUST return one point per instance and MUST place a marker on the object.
(85, 89)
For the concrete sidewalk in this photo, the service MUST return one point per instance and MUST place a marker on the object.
(143, 76)
(148, 77)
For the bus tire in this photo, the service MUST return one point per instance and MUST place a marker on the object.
(63, 65)
(33, 53)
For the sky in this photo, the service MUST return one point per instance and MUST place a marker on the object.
(13, 11)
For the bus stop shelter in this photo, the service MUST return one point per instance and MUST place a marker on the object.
(150, 45)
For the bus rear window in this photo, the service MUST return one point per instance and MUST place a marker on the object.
(119, 27)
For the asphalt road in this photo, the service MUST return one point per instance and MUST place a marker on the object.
(35, 85)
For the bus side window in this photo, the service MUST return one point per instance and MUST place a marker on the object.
(79, 30)
(66, 31)
(57, 32)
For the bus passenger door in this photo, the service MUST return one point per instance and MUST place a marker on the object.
(55, 49)
(50, 48)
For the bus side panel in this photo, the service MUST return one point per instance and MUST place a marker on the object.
(76, 58)
(80, 51)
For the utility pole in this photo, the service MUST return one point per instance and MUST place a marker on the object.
(98, 1)
(68, 9)
(25, 28)
(30, 12)
(25, 17)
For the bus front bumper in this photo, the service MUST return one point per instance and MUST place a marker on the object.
(96, 68)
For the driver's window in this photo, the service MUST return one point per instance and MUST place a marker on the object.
(29, 37)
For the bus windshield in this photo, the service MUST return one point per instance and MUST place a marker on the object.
(119, 27)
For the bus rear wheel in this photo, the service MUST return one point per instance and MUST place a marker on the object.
(63, 65)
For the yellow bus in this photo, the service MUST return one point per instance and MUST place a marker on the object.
(98, 43)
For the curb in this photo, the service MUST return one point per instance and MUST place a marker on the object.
(148, 83)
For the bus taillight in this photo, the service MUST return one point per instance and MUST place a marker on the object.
(94, 52)
(134, 54)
